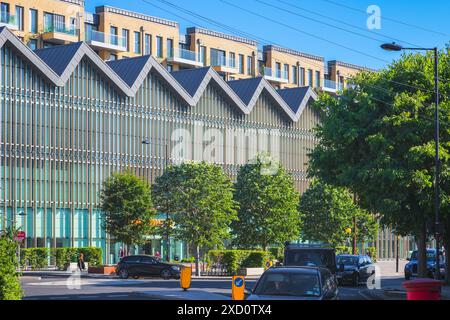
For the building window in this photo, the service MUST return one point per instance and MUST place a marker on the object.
(5, 12)
(310, 78)
(318, 79)
(33, 20)
(169, 67)
(89, 31)
(202, 53)
(232, 60)
(126, 39)
(137, 42)
(241, 64)
(302, 76)
(285, 74)
(112, 57)
(148, 43)
(113, 35)
(218, 57)
(294, 75)
(19, 17)
(278, 70)
(159, 47)
(170, 48)
(32, 43)
(249, 65)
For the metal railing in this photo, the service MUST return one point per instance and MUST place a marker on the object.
(106, 38)
(186, 54)
(277, 73)
(330, 84)
(72, 31)
(7, 18)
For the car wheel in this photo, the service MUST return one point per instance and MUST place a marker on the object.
(135, 277)
(356, 279)
(407, 277)
(123, 274)
(166, 274)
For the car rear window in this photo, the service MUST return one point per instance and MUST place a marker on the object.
(131, 259)
(289, 284)
(311, 258)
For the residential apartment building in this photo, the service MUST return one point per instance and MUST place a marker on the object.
(340, 72)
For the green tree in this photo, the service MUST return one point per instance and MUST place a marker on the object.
(267, 205)
(125, 200)
(325, 213)
(200, 202)
(377, 140)
(10, 288)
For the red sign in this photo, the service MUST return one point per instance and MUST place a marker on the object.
(20, 236)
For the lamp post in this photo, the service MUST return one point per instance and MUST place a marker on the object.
(396, 47)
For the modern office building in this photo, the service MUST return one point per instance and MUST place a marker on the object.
(69, 119)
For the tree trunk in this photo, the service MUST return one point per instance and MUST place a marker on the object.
(354, 236)
(197, 260)
(422, 253)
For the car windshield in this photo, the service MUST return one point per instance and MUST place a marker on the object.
(309, 259)
(289, 284)
(348, 261)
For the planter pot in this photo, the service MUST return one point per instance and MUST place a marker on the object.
(106, 270)
(250, 271)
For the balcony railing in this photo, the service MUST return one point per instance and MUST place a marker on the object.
(277, 73)
(222, 62)
(333, 85)
(6, 18)
(71, 31)
(186, 54)
(102, 37)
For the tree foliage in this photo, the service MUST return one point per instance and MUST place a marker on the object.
(125, 200)
(377, 140)
(199, 197)
(267, 205)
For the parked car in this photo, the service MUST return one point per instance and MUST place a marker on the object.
(354, 268)
(295, 283)
(310, 256)
(146, 266)
(411, 267)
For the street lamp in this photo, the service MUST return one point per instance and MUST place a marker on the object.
(396, 47)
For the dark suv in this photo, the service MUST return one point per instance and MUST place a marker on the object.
(310, 256)
(146, 266)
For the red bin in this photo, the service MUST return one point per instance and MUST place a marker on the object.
(423, 289)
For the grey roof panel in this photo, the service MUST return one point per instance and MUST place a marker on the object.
(129, 69)
(191, 79)
(245, 88)
(293, 97)
(58, 57)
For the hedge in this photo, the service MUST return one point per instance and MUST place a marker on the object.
(63, 256)
(233, 260)
(10, 288)
(35, 258)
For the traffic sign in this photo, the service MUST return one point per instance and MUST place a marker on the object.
(20, 236)
(238, 288)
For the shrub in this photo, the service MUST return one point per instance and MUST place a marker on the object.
(10, 288)
(63, 256)
(35, 258)
(187, 260)
(372, 253)
(277, 253)
(233, 260)
(343, 250)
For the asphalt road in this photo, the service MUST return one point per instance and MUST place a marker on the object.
(63, 288)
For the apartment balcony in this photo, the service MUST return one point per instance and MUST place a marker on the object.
(60, 34)
(185, 58)
(332, 86)
(8, 20)
(102, 41)
(276, 76)
(224, 65)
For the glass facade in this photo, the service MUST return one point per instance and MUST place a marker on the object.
(58, 144)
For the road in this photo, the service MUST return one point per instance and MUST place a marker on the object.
(62, 287)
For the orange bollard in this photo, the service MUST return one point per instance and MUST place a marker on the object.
(185, 277)
(238, 288)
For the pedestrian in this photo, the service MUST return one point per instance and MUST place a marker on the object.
(158, 255)
(121, 253)
(81, 262)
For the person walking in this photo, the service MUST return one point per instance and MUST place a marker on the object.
(158, 255)
(81, 262)
(121, 253)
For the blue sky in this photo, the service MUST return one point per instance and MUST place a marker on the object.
(431, 15)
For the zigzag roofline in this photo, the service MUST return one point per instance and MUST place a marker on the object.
(151, 64)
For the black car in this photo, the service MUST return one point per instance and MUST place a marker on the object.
(295, 283)
(301, 255)
(146, 266)
(354, 268)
